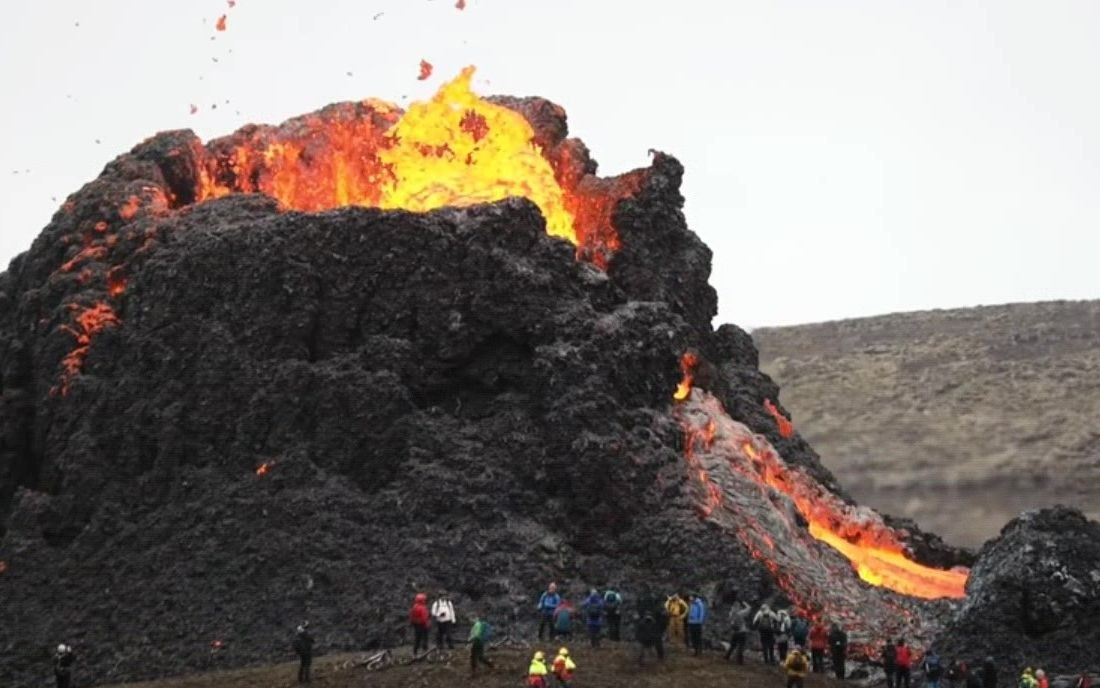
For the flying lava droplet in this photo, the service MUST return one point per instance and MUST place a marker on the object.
(425, 70)
(220, 26)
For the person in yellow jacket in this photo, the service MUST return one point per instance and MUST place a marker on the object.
(677, 611)
(1028, 680)
(563, 667)
(536, 673)
(796, 666)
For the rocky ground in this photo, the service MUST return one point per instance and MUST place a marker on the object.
(959, 419)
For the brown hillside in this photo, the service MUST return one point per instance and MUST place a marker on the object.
(958, 419)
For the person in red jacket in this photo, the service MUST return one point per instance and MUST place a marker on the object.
(904, 662)
(420, 620)
(819, 641)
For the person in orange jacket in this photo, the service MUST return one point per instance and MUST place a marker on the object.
(563, 667)
(819, 641)
(419, 618)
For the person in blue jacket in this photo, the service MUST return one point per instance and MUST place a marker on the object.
(697, 615)
(548, 602)
(593, 615)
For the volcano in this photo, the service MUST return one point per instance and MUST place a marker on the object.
(305, 371)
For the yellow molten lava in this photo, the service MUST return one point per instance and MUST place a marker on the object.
(459, 150)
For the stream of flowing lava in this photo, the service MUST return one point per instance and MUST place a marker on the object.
(876, 551)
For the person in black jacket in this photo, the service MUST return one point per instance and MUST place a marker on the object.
(989, 673)
(63, 661)
(890, 662)
(303, 645)
(650, 628)
(838, 646)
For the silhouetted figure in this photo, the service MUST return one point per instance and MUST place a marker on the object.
(739, 627)
(838, 647)
(303, 645)
(904, 659)
(890, 662)
(989, 673)
(63, 661)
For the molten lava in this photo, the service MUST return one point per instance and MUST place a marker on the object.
(785, 427)
(457, 149)
(263, 469)
(687, 368)
(876, 551)
(89, 322)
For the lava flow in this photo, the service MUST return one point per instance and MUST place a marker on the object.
(875, 550)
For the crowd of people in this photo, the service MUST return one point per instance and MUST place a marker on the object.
(797, 644)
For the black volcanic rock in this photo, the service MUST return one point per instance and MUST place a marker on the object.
(447, 399)
(1033, 597)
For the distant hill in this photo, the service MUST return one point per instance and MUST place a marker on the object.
(958, 419)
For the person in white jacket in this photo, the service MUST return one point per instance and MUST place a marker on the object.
(443, 611)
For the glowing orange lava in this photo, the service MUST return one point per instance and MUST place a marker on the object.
(456, 149)
(876, 551)
(263, 469)
(786, 429)
(687, 367)
(89, 322)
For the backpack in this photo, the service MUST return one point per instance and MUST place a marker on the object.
(932, 666)
(766, 622)
(799, 628)
(799, 663)
(486, 632)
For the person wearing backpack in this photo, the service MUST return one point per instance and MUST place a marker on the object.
(890, 662)
(932, 668)
(563, 667)
(765, 622)
(796, 667)
(593, 612)
(739, 626)
(420, 620)
(677, 610)
(904, 660)
(819, 641)
(783, 634)
(563, 620)
(800, 630)
(613, 605)
(480, 634)
(838, 647)
(443, 611)
(650, 629)
(548, 603)
(63, 662)
(303, 645)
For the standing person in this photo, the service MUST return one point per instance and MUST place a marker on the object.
(1041, 677)
(613, 607)
(890, 662)
(765, 622)
(974, 677)
(697, 615)
(563, 620)
(932, 668)
(63, 661)
(955, 675)
(593, 614)
(783, 634)
(800, 630)
(989, 673)
(819, 641)
(904, 659)
(677, 610)
(1083, 681)
(739, 627)
(443, 611)
(563, 667)
(479, 638)
(536, 672)
(548, 602)
(1027, 679)
(420, 620)
(303, 645)
(838, 647)
(796, 667)
(650, 631)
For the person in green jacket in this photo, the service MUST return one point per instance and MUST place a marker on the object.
(479, 637)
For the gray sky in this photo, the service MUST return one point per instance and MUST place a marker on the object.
(870, 157)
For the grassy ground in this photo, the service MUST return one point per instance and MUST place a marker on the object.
(609, 667)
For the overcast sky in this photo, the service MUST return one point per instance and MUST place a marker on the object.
(869, 157)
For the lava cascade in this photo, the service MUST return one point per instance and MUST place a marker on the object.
(873, 548)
